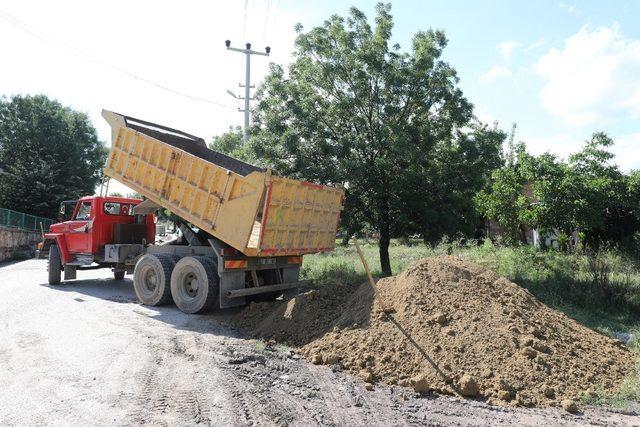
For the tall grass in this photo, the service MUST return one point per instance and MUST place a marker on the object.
(568, 282)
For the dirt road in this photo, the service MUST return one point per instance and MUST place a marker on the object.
(86, 352)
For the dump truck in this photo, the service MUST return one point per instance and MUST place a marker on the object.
(243, 229)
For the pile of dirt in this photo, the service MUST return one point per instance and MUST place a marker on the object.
(450, 326)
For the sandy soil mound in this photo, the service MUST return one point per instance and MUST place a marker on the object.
(450, 326)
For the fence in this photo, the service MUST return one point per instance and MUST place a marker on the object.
(9, 218)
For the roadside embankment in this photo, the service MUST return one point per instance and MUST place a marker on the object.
(15, 243)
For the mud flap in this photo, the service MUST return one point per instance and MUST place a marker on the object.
(70, 272)
(290, 275)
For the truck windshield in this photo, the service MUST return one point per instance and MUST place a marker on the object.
(115, 208)
(84, 211)
(66, 210)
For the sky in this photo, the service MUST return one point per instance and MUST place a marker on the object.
(559, 70)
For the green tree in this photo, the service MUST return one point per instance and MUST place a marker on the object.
(609, 210)
(506, 201)
(48, 153)
(392, 127)
(231, 143)
(587, 194)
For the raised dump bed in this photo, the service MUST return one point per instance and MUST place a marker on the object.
(251, 209)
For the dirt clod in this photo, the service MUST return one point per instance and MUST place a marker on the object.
(507, 347)
(420, 384)
(529, 352)
(549, 392)
(570, 406)
(367, 376)
(468, 386)
(440, 318)
(331, 359)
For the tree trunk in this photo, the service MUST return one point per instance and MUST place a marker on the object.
(523, 234)
(383, 245)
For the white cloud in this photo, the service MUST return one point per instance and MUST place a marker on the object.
(594, 77)
(507, 48)
(626, 148)
(494, 73)
(627, 151)
(535, 45)
(568, 7)
(483, 115)
(178, 47)
(562, 144)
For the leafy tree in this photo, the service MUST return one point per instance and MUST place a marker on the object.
(231, 143)
(633, 194)
(48, 153)
(587, 194)
(506, 200)
(609, 210)
(440, 198)
(392, 127)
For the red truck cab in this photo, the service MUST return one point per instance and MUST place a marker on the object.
(103, 231)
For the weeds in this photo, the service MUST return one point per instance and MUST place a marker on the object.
(628, 396)
(601, 290)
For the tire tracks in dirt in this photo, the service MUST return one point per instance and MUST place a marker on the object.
(171, 388)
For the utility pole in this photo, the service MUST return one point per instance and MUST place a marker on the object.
(247, 82)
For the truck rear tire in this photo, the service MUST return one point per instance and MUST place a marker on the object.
(151, 279)
(195, 284)
(54, 265)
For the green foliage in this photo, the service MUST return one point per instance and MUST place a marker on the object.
(586, 194)
(231, 144)
(48, 153)
(392, 127)
(506, 201)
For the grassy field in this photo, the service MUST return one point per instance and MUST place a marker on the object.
(600, 291)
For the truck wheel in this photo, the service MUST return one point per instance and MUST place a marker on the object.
(54, 265)
(151, 279)
(118, 274)
(195, 284)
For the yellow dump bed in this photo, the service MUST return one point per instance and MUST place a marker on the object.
(249, 208)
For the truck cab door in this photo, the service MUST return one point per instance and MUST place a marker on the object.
(79, 233)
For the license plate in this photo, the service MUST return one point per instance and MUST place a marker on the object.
(267, 261)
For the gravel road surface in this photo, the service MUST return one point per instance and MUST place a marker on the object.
(86, 352)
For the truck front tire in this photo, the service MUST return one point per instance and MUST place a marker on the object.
(195, 284)
(151, 278)
(55, 265)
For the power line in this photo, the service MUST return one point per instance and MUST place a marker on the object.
(89, 58)
(244, 24)
(274, 23)
(266, 20)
